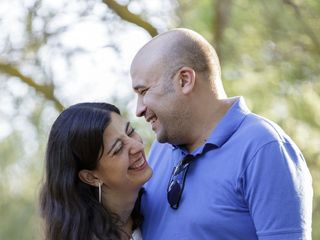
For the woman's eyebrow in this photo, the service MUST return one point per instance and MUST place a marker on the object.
(127, 126)
(118, 139)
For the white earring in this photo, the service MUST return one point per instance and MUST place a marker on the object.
(99, 186)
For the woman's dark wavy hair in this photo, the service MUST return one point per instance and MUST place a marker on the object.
(69, 207)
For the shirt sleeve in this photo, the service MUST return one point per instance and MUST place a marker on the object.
(277, 187)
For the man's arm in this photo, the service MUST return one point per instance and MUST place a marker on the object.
(278, 190)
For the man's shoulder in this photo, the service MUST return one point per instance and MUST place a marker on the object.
(158, 147)
(263, 129)
(159, 150)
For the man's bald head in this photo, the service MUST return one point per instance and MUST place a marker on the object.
(176, 75)
(181, 47)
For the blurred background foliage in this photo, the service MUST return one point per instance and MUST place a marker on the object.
(56, 53)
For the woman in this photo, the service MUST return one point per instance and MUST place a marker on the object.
(95, 168)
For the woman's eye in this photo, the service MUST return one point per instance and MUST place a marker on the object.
(118, 149)
(130, 131)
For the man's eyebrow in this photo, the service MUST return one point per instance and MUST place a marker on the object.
(137, 87)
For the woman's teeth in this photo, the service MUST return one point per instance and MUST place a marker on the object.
(137, 164)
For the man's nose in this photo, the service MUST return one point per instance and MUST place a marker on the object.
(141, 108)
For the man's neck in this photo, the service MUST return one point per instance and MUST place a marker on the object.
(207, 122)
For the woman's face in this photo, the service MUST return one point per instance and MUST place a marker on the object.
(123, 166)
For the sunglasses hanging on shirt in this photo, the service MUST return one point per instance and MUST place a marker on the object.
(177, 180)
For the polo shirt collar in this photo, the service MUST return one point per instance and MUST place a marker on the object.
(229, 123)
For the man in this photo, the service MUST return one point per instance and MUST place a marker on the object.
(220, 171)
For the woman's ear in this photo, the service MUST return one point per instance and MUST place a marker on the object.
(187, 79)
(88, 177)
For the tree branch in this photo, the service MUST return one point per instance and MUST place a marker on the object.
(46, 90)
(124, 13)
(309, 31)
(222, 10)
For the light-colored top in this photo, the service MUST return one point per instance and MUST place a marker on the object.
(136, 235)
(249, 181)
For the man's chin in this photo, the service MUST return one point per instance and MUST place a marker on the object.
(161, 138)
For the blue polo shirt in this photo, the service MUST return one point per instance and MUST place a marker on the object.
(249, 181)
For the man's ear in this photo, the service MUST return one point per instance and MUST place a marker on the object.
(88, 177)
(187, 79)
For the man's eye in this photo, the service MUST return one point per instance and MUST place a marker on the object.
(143, 91)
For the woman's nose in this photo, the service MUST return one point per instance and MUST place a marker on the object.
(136, 146)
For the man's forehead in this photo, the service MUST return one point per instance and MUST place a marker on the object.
(144, 73)
(138, 83)
(145, 60)
(148, 64)
(139, 77)
(153, 52)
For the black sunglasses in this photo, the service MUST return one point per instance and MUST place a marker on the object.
(176, 182)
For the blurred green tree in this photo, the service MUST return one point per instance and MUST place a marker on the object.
(39, 57)
(269, 52)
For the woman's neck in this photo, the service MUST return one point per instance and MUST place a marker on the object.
(122, 205)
